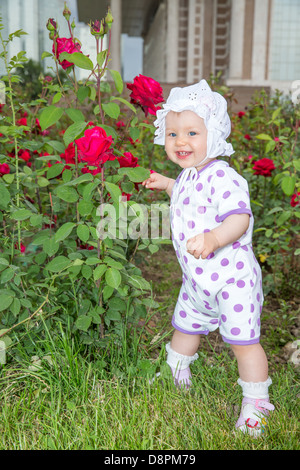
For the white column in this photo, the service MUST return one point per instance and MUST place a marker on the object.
(30, 24)
(172, 40)
(191, 44)
(260, 40)
(236, 41)
(116, 31)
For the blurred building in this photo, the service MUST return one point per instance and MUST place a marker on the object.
(253, 43)
(31, 16)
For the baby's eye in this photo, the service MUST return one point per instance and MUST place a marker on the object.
(192, 133)
(172, 134)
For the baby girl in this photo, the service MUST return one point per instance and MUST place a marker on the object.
(212, 224)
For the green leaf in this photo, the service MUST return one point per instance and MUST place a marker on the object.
(83, 322)
(75, 114)
(114, 191)
(136, 175)
(50, 246)
(73, 132)
(134, 133)
(263, 137)
(58, 264)
(64, 231)
(101, 57)
(67, 193)
(55, 170)
(5, 301)
(6, 275)
(99, 271)
(85, 207)
(4, 195)
(21, 214)
(113, 278)
(113, 315)
(50, 116)
(111, 109)
(82, 93)
(122, 100)
(83, 232)
(78, 59)
(117, 79)
(288, 185)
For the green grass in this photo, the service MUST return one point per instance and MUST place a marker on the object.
(70, 402)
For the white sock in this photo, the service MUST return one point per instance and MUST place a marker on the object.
(178, 361)
(255, 389)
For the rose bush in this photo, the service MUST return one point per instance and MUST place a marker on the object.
(58, 169)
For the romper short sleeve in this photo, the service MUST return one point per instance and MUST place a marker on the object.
(229, 192)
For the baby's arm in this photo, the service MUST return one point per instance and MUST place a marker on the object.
(158, 181)
(231, 229)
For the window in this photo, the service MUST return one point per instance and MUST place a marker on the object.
(285, 40)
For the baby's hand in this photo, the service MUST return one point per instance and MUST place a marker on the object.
(202, 245)
(158, 181)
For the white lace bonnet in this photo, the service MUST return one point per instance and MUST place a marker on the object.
(209, 105)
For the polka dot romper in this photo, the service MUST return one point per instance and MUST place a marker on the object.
(225, 289)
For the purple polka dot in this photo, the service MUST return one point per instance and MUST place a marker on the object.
(244, 247)
(236, 245)
(252, 308)
(224, 262)
(196, 326)
(199, 271)
(199, 187)
(211, 255)
(182, 314)
(182, 190)
(252, 334)
(226, 194)
(242, 204)
(230, 281)
(214, 276)
(258, 297)
(212, 190)
(235, 331)
(238, 308)
(206, 230)
(201, 210)
(206, 292)
(186, 201)
(185, 259)
(225, 295)
(181, 236)
(255, 272)
(223, 318)
(191, 224)
(236, 182)
(178, 212)
(251, 283)
(217, 219)
(240, 284)
(209, 178)
(239, 265)
(220, 173)
(185, 296)
(214, 321)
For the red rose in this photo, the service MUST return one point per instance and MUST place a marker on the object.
(264, 167)
(65, 45)
(4, 169)
(94, 147)
(128, 160)
(69, 155)
(241, 114)
(146, 93)
(295, 199)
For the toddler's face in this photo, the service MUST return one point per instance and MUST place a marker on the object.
(186, 139)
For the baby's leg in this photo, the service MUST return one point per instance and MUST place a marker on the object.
(181, 353)
(255, 382)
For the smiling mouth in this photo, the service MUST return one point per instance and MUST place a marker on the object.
(183, 155)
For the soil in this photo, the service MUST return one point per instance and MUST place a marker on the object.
(281, 317)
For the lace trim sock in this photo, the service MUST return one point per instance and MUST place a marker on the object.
(255, 407)
(179, 365)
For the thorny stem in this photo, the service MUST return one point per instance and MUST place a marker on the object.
(14, 139)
